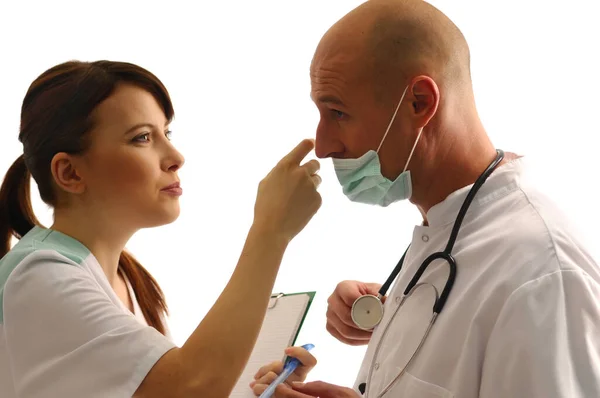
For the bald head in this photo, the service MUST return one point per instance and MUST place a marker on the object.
(361, 69)
(395, 40)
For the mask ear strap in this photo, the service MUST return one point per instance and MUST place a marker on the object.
(392, 121)
(413, 149)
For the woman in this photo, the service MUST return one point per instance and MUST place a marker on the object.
(79, 316)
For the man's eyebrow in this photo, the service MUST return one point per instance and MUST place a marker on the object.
(327, 99)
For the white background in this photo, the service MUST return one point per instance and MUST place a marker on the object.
(238, 73)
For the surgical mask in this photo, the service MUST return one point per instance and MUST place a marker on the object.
(361, 178)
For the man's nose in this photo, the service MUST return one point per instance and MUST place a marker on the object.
(326, 144)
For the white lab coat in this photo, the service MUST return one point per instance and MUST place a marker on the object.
(63, 330)
(523, 318)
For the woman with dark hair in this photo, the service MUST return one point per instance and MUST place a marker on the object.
(79, 316)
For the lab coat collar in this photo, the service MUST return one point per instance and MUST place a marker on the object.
(504, 180)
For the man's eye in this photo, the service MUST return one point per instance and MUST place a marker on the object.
(337, 114)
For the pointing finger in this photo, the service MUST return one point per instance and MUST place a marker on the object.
(299, 152)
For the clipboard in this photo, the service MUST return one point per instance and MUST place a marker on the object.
(282, 324)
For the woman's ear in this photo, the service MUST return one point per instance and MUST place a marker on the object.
(65, 174)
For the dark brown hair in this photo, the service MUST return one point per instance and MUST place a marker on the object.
(56, 117)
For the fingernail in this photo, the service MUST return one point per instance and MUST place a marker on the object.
(252, 383)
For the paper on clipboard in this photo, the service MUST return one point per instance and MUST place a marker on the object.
(279, 330)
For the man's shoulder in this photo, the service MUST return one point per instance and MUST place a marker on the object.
(552, 228)
(533, 237)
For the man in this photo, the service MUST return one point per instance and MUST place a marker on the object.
(392, 83)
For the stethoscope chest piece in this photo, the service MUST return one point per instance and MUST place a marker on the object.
(367, 311)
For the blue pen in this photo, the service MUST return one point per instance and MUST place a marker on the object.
(288, 369)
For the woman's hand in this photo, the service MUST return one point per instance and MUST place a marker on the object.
(287, 197)
(268, 373)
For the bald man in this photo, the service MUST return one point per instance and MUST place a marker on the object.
(392, 84)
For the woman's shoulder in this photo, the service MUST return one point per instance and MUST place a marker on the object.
(49, 251)
(41, 246)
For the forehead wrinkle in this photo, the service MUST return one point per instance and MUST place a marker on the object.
(328, 84)
(325, 75)
(336, 71)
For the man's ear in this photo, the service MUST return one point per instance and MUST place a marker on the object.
(65, 173)
(426, 98)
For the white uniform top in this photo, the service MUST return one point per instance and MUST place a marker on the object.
(63, 330)
(523, 318)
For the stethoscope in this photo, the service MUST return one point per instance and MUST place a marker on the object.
(367, 310)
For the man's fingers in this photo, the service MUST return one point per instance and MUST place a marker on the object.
(348, 292)
(373, 288)
(345, 320)
(281, 391)
(351, 342)
(285, 391)
(350, 332)
(323, 390)
(299, 152)
(340, 310)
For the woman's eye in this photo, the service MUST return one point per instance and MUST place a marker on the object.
(146, 136)
(142, 137)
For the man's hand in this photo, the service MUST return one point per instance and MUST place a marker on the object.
(339, 307)
(315, 389)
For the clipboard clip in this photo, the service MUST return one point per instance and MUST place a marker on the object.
(273, 300)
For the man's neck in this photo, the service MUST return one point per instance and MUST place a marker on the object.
(449, 172)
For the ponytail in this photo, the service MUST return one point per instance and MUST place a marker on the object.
(147, 291)
(17, 219)
(16, 212)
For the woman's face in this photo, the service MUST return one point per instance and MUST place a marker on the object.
(131, 162)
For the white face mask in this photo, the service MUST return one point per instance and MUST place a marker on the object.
(361, 178)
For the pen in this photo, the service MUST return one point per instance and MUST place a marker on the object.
(288, 369)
